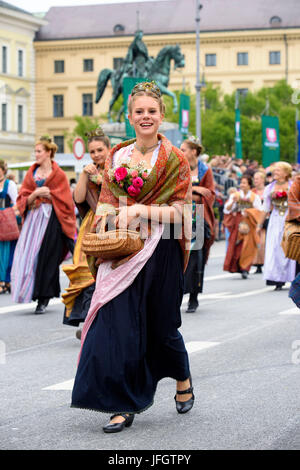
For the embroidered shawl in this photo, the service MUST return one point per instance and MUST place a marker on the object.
(169, 182)
(61, 197)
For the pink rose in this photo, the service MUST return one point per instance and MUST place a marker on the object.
(134, 174)
(132, 191)
(137, 182)
(145, 175)
(120, 173)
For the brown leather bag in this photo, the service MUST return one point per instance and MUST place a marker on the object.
(111, 244)
(8, 225)
(291, 240)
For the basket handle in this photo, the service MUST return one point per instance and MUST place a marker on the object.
(103, 221)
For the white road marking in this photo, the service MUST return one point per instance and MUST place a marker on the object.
(290, 311)
(29, 306)
(191, 346)
(67, 385)
(195, 346)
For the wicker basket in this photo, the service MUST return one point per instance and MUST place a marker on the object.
(291, 240)
(244, 228)
(111, 244)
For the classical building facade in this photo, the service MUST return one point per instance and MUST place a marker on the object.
(244, 45)
(17, 82)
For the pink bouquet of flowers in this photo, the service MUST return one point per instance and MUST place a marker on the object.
(279, 195)
(130, 178)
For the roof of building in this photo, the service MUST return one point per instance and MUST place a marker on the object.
(8, 6)
(167, 16)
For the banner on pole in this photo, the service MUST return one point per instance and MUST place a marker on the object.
(270, 140)
(128, 84)
(184, 114)
(238, 135)
(298, 140)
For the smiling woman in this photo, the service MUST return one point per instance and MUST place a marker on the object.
(130, 338)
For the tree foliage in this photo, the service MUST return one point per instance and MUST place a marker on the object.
(218, 117)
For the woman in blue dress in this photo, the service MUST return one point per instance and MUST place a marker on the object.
(8, 197)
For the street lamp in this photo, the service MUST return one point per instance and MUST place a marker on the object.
(198, 84)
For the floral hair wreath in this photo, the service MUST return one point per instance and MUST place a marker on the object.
(146, 86)
(98, 132)
(194, 140)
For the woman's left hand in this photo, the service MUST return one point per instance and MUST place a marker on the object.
(127, 214)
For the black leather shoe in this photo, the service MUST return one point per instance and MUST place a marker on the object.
(185, 406)
(244, 274)
(192, 308)
(117, 427)
(41, 307)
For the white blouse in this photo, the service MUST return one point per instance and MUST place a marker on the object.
(124, 155)
(256, 203)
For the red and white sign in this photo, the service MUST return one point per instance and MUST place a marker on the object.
(78, 148)
(271, 134)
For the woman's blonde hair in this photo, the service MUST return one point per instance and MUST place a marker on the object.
(48, 145)
(261, 173)
(286, 167)
(3, 166)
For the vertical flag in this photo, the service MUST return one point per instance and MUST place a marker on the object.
(237, 128)
(270, 140)
(128, 84)
(238, 135)
(184, 114)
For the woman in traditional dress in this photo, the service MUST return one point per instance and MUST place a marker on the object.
(130, 338)
(242, 243)
(203, 192)
(78, 295)
(259, 179)
(47, 209)
(277, 268)
(8, 197)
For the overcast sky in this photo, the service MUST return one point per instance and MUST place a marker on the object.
(33, 6)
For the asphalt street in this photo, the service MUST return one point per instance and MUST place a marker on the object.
(244, 345)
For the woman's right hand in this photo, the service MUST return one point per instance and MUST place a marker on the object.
(43, 191)
(90, 169)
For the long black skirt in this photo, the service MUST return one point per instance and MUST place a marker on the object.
(134, 340)
(51, 254)
(194, 275)
(80, 308)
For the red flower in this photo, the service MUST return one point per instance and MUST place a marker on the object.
(137, 182)
(120, 173)
(132, 191)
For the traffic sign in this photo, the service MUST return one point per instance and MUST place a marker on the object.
(78, 148)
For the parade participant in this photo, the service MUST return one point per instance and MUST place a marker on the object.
(242, 244)
(8, 197)
(47, 209)
(227, 220)
(130, 338)
(277, 268)
(259, 179)
(203, 192)
(86, 194)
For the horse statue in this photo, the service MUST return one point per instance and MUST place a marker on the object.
(157, 69)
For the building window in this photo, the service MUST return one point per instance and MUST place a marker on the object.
(4, 117)
(60, 142)
(210, 60)
(242, 58)
(58, 105)
(242, 91)
(4, 59)
(20, 118)
(20, 63)
(88, 65)
(87, 104)
(274, 57)
(117, 63)
(119, 28)
(59, 66)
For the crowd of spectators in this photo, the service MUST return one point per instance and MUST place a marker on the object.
(227, 171)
